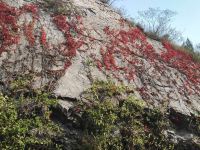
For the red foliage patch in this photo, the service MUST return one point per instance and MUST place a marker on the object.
(125, 51)
(185, 64)
(71, 43)
(29, 32)
(122, 55)
(10, 30)
(182, 61)
(31, 8)
(43, 38)
(8, 26)
(124, 46)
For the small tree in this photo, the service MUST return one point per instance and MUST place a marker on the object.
(188, 45)
(158, 22)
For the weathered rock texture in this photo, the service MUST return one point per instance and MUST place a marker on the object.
(68, 44)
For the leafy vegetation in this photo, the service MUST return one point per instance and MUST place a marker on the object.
(113, 118)
(60, 7)
(25, 119)
(188, 49)
(127, 124)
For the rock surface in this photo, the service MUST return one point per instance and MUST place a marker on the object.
(100, 51)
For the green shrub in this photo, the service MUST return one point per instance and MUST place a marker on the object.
(25, 121)
(126, 125)
(60, 7)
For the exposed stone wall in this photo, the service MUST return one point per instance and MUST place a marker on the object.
(67, 51)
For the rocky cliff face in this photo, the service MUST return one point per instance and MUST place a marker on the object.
(67, 45)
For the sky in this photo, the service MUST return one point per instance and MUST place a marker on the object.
(187, 20)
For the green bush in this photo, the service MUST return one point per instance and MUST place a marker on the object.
(25, 121)
(126, 125)
(60, 7)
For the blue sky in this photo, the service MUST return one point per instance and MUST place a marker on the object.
(187, 19)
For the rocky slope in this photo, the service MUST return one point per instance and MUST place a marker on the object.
(67, 45)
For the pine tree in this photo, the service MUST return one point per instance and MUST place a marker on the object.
(188, 45)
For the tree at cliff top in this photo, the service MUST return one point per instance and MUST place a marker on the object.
(158, 22)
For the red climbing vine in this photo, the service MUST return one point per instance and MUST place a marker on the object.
(71, 43)
(29, 32)
(124, 46)
(43, 38)
(124, 54)
(8, 26)
(10, 30)
(185, 64)
(182, 61)
(31, 8)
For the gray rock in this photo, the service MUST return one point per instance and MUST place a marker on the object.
(48, 64)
